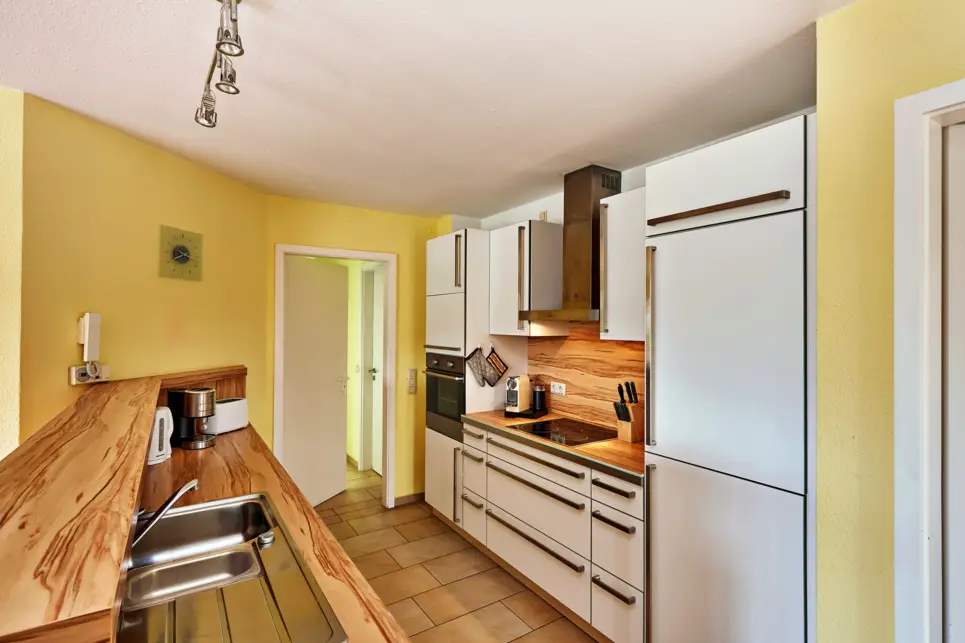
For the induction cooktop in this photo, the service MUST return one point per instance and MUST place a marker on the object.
(567, 432)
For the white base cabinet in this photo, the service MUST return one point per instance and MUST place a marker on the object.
(619, 610)
(474, 515)
(443, 486)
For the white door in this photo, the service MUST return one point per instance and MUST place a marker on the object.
(508, 279)
(446, 264)
(623, 305)
(726, 558)
(376, 367)
(954, 383)
(727, 371)
(316, 353)
(442, 458)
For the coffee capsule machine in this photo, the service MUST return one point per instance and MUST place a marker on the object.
(191, 408)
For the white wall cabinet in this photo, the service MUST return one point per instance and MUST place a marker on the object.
(446, 264)
(623, 306)
(525, 273)
(446, 324)
(443, 485)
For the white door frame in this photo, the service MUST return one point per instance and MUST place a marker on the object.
(919, 121)
(389, 355)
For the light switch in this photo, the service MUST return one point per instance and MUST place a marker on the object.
(412, 381)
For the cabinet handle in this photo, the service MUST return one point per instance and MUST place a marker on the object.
(441, 348)
(477, 505)
(474, 458)
(647, 585)
(458, 261)
(630, 495)
(520, 275)
(522, 534)
(579, 475)
(620, 596)
(445, 376)
(478, 436)
(648, 437)
(455, 482)
(546, 492)
(613, 523)
(604, 211)
(720, 207)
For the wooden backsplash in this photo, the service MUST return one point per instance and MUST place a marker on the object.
(590, 368)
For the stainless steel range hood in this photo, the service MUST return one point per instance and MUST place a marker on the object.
(582, 191)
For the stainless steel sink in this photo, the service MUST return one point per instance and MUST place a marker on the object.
(222, 571)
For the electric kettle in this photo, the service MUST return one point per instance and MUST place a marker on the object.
(161, 436)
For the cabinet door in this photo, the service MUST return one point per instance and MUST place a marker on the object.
(442, 481)
(623, 305)
(446, 264)
(508, 279)
(726, 558)
(445, 324)
(727, 352)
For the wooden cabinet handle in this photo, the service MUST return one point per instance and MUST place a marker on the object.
(720, 207)
(613, 523)
(546, 492)
(477, 505)
(620, 596)
(629, 495)
(579, 475)
(578, 568)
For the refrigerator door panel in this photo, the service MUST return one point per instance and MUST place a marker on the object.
(726, 558)
(727, 355)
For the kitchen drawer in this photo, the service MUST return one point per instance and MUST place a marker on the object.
(474, 515)
(474, 436)
(446, 324)
(474, 470)
(616, 493)
(562, 472)
(555, 510)
(619, 610)
(759, 168)
(553, 567)
(619, 543)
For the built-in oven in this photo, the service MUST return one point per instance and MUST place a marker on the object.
(445, 394)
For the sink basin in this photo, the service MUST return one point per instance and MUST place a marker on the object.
(222, 571)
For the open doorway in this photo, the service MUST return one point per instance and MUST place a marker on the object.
(334, 369)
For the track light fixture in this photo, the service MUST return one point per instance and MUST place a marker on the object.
(227, 46)
(229, 41)
(205, 115)
(229, 76)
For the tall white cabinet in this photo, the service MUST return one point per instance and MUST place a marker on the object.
(623, 237)
(457, 292)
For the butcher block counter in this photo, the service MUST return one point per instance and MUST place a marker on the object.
(611, 456)
(69, 494)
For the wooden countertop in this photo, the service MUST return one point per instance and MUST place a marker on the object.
(628, 456)
(240, 463)
(67, 501)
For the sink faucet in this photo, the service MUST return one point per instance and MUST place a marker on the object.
(191, 486)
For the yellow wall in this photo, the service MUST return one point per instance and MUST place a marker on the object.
(294, 221)
(94, 201)
(869, 55)
(11, 231)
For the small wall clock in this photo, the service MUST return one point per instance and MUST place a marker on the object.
(180, 254)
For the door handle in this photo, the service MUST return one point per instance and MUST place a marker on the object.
(604, 211)
(613, 523)
(520, 275)
(458, 261)
(648, 436)
(455, 482)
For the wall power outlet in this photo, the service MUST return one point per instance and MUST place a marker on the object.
(557, 388)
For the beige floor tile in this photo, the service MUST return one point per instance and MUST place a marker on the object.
(354, 475)
(459, 565)
(331, 520)
(422, 529)
(493, 624)
(469, 594)
(372, 474)
(345, 498)
(342, 531)
(325, 513)
(559, 631)
(428, 548)
(412, 619)
(362, 483)
(375, 508)
(385, 519)
(372, 542)
(375, 492)
(367, 503)
(402, 584)
(534, 611)
(377, 564)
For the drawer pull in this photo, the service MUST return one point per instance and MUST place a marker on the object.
(546, 492)
(477, 505)
(478, 436)
(522, 534)
(613, 523)
(630, 495)
(620, 596)
(474, 458)
(720, 207)
(579, 475)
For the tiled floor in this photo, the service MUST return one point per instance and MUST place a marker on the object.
(438, 586)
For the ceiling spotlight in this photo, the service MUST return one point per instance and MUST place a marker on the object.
(229, 41)
(229, 77)
(206, 115)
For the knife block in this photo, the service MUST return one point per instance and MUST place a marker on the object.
(634, 430)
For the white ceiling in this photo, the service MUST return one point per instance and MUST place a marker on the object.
(422, 106)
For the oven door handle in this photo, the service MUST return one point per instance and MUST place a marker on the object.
(445, 376)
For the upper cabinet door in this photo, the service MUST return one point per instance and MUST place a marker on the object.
(446, 324)
(623, 306)
(727, 351)
(446, 264)
(509, 279)
(757, 173)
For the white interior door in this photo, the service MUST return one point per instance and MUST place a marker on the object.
(316, 353)
(954, 383)
(373, 388)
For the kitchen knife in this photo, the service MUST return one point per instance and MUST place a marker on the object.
(626, 412)
(633, 393)
(626, 387)
(623, 400)
(616, 407)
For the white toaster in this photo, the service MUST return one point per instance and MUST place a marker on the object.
(161, 436)
(229, 415)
